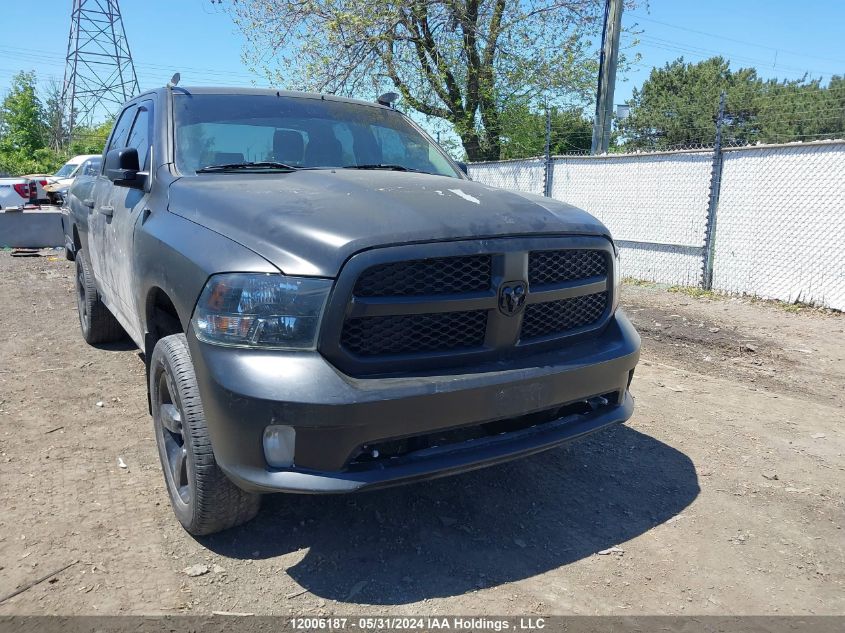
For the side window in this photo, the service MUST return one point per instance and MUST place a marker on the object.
(121, 128)
(93, 167)
(139, 136)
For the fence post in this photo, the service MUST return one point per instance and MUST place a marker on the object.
(547, 174)
(713, 203)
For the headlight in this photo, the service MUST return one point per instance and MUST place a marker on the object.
(617, 279)
(261, 310)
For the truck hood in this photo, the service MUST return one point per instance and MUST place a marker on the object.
(311, 222)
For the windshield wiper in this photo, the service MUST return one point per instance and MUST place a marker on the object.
(386, 166)
(247, 166)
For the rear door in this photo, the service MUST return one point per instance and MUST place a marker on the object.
(80, 196)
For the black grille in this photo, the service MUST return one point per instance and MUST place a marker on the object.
(443, 275)
(443, 310)
(551, 267)
(373, 336)
(556, 317)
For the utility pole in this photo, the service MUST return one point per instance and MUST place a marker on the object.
(99, 73)
(607, 75)
(713, 202)
(547, 179)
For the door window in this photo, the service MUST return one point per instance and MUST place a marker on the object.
(139, 136)
(121, 128)
(91, 167)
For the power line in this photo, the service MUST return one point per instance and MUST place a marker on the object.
(738, 41)
(50, 58)
(705, 53)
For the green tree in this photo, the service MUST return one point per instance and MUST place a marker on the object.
(54, 119)
(524, 131)
(464, 61)
(22, 116)
(33, 137)
(678, 105)
(90, 140)
(800, 110)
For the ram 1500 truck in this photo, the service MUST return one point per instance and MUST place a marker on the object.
(326, 303)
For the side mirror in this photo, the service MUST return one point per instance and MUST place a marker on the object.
(463, 167)
(123, 168)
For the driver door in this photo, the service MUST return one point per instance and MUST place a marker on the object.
(127, 206)
(101, 216)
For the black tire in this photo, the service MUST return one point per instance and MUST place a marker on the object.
(98, 325)
(204, 499)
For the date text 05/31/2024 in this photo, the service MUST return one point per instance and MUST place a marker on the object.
(412, 623)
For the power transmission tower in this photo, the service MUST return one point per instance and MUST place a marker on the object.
(99, 73)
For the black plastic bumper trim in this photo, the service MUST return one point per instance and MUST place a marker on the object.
(473, 455)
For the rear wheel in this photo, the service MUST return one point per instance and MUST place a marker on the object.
(97, 323)
(203, 498)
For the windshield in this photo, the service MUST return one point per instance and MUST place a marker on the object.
(66, 170)
(298, 132)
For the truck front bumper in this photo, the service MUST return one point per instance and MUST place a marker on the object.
(336, 417)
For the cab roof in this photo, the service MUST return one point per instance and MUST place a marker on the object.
(223, 90)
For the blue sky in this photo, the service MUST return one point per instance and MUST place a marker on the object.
(781, 38)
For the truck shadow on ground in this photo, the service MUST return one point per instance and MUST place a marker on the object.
(454, 535)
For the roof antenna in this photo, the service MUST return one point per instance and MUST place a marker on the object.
(174, 80)
(388, 99)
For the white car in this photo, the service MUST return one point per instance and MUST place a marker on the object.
(14, 192)
(63, 178)
(39, 181)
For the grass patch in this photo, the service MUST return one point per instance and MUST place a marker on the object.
(794, 307)
(693, 291)
(631, 281)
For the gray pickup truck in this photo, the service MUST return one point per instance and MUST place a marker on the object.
(327, 303)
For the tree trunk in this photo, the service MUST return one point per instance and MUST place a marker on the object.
(478, 151)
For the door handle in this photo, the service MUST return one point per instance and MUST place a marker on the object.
(88, 202)
(107, 210)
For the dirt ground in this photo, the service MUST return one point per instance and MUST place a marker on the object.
(723, 494)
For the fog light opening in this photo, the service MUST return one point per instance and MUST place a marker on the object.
(279, 443)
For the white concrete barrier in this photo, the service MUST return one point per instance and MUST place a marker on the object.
(31, 229)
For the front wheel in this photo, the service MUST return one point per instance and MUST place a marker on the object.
(203, 498)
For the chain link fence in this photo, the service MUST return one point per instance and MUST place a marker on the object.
(651, 203)
(519, 175)
(780, 229)
(779, 225)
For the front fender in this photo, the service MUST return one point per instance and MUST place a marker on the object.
(178, 256)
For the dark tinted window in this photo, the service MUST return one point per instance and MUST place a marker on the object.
(139, 137)
(90, 167)
(121, 128)
(215, 129)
